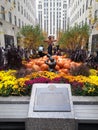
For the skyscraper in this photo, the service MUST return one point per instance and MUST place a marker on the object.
(52, 16)
(81, 12)
(13, 15)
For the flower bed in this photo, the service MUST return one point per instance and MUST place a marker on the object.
(80, 85)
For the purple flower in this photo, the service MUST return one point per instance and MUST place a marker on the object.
(59, 80)
(38, 80)
(77, 84)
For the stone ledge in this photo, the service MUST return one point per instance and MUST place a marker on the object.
(85, 100)
(15, 100)
(26, 99)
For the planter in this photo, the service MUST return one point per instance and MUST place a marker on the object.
(15, 109)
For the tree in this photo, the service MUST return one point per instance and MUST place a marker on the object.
(31, 37)
(76, 37)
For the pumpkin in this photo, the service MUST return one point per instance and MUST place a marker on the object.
(61, 71)
(44, 67)
(44, 58)
(57, 67)
(36, 67)
(63, 64)
(78, 64)
(66, 66)
(55, 57)
(60, 63)
(28, 65)
(65, 71)
(31, 62)
(40, 62)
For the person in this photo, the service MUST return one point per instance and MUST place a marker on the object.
(51, 63)
(57, 47)
(54, 50)
(96, 57)
(40, 50)
(20, 51)
(50, 43)
(26, 54)
(58, 52)
(1, 58)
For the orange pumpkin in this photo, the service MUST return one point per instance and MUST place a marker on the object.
(61, 71)
(40, 62)
(31, 62)
(57, 67)
(36, 67)
(60, 63)
(28, 65)
(44, 67)
(65, 71)
(66, 66)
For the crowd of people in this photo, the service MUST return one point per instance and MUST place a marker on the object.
(52, 48)
(11, 57)
(54, 51)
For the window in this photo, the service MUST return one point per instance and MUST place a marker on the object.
(96, 14)
(86, 4)
(10, 17)
(78, 2)
(83, 8)
(18, 6)
(89, 22)
(14, 3)
(3, 14)
(39, 6)
(21, 9)
(22, 23)
(82, 23)
(19, 23)
(86, 20)
(15, 20)
(64, 6)
(90, 2)
(24, 13)
(80, 12)
(60, 4)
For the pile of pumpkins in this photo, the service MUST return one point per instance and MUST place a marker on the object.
(63, 64)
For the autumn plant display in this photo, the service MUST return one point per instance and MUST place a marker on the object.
(80, 85)
(70, 68)
(10, 85)
(63, 64)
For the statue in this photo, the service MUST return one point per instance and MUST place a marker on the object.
(51, 63)
(50, 43)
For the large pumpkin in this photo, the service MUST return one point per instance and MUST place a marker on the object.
(36, 67)
(28, 65)
(60, 63)
(57, 67)
(44, 67)
(66, 66)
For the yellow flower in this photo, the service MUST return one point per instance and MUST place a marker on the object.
(91, 90)
(0, 86)
(15, 87)
(93, 72)
(21, 81)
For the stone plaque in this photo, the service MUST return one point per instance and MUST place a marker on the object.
(52, 98)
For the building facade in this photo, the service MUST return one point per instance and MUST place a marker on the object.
(51, 16)
(15, 14)
(81, 12)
